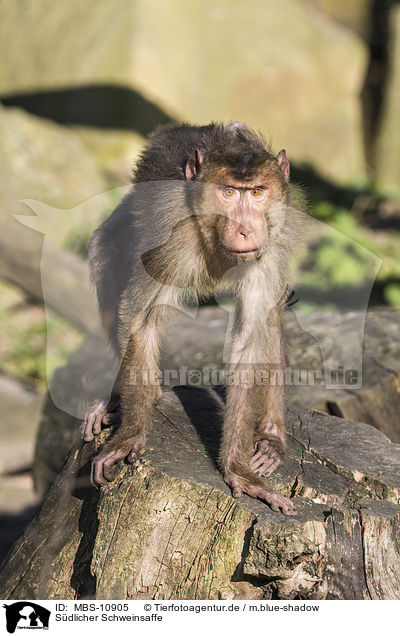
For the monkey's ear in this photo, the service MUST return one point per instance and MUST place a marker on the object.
(193, 165)
(283, 163)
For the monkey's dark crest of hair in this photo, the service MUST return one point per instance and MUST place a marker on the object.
(242, 151)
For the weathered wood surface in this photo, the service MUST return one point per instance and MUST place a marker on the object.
(169, 529)
(20, 410)
(377, 401)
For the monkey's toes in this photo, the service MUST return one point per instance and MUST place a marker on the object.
(103, 466)
(284, 504)
(233, 482)
(266, 458)
(276, 501)
(102, 470)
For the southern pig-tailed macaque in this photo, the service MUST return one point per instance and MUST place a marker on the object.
(210, 205)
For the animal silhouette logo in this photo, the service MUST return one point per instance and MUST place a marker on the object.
(26, 615)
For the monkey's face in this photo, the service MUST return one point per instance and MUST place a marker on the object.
(247, 184)
(242, 225)
(245, 214)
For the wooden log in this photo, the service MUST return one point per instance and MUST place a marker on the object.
(377, 401)
(64, 277)
(169, 529)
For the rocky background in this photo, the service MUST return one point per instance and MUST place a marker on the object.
(82, 84)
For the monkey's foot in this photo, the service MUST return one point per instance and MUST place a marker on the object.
(102, 413)
(276, 501)
(268, 455)
(102, 470)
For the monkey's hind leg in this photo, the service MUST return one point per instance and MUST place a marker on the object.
(270, 439)
(237, 440)
(244, 481)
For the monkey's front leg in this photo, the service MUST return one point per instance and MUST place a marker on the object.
(270, 442)
(105, 414)
(137, 399)
(237, 443)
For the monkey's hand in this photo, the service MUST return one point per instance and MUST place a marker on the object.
(269, 453)
(259, 490)
(102, 413)
(114, 451)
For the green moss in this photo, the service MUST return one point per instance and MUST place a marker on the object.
(340, 262)
(392, 294)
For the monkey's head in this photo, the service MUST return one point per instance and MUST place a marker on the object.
(248, 188)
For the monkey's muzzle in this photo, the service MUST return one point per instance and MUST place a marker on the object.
(245, 255)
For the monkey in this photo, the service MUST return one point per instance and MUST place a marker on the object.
(209, 206)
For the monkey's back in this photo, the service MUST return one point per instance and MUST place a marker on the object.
(168, 150)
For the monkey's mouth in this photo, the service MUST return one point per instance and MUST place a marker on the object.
(245, 254)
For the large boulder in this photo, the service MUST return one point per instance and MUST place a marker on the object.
(282, 67)
(48, 165)
(387, 152)
(356, 15)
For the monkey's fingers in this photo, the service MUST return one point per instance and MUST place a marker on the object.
(137, 444)
(92, 423)
(111, 419)
(101, 413)
(102, 469)
(269, 467)
(266, 458)
(264, 465)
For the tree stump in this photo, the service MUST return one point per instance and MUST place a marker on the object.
(168, 528)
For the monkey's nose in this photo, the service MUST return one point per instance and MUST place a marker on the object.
(245, 230)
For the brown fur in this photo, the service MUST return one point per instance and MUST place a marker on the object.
(210, 208)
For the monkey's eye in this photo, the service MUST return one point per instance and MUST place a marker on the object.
(229, 192)
(256, 192)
